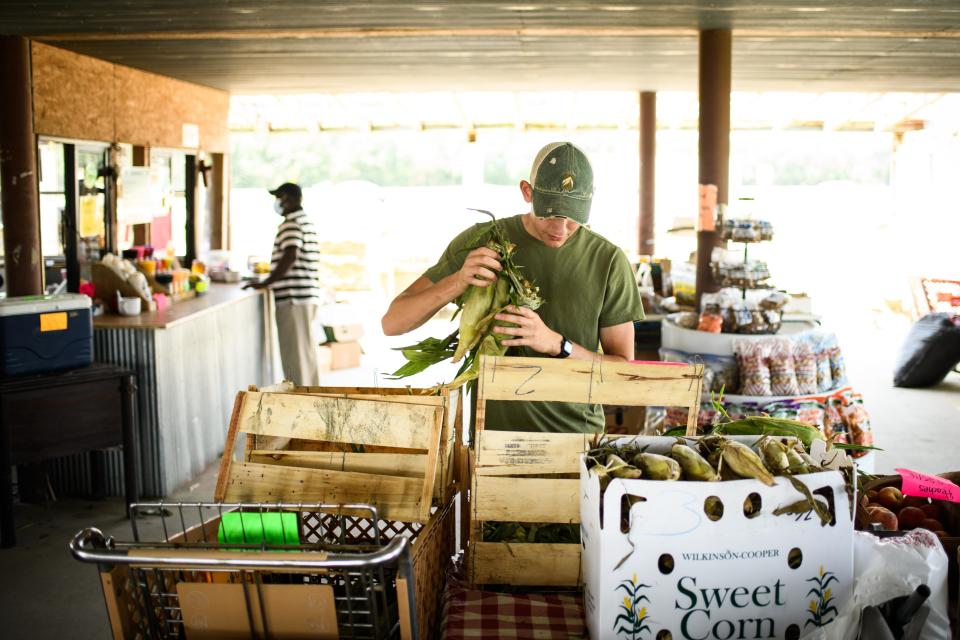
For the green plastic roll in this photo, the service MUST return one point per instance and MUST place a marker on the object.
(255, 528)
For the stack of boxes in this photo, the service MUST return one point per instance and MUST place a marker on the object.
(342, 349)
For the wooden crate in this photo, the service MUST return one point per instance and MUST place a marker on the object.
(432, 547)
(394, 448)
(533, 477)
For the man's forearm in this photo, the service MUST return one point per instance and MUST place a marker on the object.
(283, 266)
(412, 308)
(582, 353)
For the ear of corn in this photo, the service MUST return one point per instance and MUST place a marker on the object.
(774, 455)
(767, 426)
(694, 466)
(744, 462)
(478, 306)
(657, 467)
(795, 463)
(727, 460)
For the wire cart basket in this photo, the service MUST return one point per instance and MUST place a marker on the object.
(244, 570)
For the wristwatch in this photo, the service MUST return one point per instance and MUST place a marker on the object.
(566, 348)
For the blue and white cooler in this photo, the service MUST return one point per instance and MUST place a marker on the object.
(45, 333)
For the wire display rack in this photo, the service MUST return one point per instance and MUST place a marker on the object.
(337, 571)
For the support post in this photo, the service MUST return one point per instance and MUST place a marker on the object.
(714, 146)
(141, 232)
(190, 189)
(217, 203)
(648, 171)
(19, 193)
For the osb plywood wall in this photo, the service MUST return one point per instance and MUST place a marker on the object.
(72, 95)
(151, 110)
(76, 96)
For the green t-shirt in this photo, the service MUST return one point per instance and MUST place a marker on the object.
(586, 284)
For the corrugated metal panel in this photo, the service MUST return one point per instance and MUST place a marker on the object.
(135, 350)
(197, 391)
(72, 475)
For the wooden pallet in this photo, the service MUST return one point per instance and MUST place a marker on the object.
(533, 477)
(394, 448)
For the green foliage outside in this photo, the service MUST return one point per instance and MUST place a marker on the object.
(387, 159)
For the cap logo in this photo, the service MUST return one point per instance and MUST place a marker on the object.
(567, 183)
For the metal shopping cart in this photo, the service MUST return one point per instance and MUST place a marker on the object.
(215, 570)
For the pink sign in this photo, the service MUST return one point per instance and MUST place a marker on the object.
(925, 486)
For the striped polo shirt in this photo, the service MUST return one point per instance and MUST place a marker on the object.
(301, 284)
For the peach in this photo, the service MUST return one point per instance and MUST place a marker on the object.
(890, 497)
(884, 517)
(911, 517)
(931, 525)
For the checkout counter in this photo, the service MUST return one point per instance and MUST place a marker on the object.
(190, 359)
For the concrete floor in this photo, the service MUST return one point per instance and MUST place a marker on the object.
(45, 593)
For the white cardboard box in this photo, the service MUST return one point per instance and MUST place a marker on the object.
(676, 571)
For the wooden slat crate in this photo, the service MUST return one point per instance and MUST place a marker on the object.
(392, 447)
(533, 477)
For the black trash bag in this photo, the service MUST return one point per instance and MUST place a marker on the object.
(931, 351)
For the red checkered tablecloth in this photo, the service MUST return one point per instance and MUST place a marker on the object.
(472, 613)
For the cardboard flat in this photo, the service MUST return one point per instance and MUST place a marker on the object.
(292, 611)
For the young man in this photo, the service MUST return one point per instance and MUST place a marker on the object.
(294, 279)
(588, 286)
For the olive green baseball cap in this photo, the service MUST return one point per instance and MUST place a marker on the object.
(562, 181)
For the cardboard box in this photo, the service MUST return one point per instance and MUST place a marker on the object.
(343, 332)
(324, 359)
(624, 420)
(344, 355)
(676, 571)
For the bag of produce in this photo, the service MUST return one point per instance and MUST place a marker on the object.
(783, 377)
(754, 372)
(805, 365)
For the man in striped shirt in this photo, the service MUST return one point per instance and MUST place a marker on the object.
(296, 287)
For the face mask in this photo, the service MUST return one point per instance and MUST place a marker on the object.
(278, 206)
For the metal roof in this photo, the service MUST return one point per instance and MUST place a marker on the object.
(285, 46)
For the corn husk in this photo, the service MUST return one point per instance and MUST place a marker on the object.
(657, 467)
(742, 460)
(774, 455)
(694, 466)
(478, 308)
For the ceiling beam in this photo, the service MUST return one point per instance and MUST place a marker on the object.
(521, 32)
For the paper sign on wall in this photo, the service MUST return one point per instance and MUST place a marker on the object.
(140, 197)
(708, 207)
(922, 485)
(191, 136)
(91, 219)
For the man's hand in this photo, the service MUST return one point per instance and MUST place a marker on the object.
(480, 269)
(531, 332)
